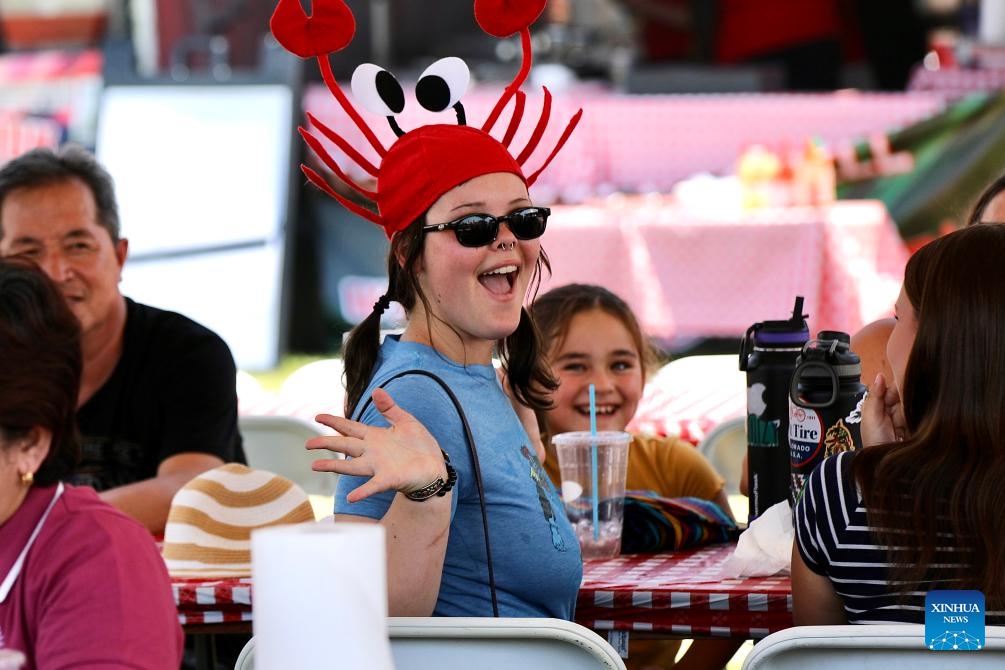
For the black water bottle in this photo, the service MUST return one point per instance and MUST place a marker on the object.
(768, 355)
(825, 404)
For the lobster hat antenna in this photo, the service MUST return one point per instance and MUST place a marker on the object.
(425, 162)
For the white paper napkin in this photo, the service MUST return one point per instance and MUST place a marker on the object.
(765, 548)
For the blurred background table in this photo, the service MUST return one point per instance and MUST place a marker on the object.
(689, 275)
(956, 82)
(648, 142)
(682, 594)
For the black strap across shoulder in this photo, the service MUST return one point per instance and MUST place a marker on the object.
(470, 439)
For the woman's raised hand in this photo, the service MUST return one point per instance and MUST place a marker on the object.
(882, 414)
(403, 457)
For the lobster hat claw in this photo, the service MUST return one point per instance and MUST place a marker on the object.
(427, 162)
(328, 29)
(502, 18)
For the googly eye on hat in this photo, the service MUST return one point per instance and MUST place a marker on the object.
(209, 526)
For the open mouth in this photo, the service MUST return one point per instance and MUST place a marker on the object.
(602, 410)
(499, 281)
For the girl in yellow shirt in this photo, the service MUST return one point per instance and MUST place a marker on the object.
(593, 337)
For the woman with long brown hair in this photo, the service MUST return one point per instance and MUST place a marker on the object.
(878, 528)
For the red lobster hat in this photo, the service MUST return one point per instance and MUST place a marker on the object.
(428, 161)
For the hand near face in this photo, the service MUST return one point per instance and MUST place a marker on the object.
(403, 457)
(882, 414)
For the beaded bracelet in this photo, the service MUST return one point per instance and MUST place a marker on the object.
(438, 487)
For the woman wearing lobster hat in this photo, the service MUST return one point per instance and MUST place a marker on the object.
(474, 527)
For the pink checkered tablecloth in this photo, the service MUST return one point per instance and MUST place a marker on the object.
(694, 276)
(201, 601)
(687, 275)
(956, 82)
(642, 143)
(682, 594)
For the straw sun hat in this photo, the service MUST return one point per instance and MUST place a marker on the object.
(209, 526)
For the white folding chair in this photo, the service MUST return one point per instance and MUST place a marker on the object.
(248, 388)
(276, 444)
(724, 447)
(463, 643)
(318, 383)
(890, 647)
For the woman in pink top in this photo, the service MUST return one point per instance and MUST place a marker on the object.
(81, 584)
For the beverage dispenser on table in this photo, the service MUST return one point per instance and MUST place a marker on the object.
(768, 355)
(825, 404)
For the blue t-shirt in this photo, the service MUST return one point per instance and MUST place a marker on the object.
(535, 554)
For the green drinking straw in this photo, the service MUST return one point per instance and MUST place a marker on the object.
(594, 467)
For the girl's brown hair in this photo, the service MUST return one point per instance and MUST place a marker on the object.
(946, 476)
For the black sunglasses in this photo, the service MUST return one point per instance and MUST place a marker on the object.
(477, 230)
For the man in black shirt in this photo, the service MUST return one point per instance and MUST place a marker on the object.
(157, 402)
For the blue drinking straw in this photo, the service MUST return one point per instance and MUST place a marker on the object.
(594, 467)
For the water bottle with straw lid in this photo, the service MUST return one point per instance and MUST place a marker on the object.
(825, 396)
(768, 355)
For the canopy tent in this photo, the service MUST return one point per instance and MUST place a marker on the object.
(956, 153)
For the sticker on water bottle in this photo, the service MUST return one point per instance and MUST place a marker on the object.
(805, 445)
(856, 414)
(838, 438)
(805, 436)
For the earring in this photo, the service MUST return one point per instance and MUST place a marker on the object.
(28, 478)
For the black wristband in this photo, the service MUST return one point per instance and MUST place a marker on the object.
(437, 488)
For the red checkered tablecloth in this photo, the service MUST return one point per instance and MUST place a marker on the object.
(682, 594)
(201, 601)
(678, 594)
(690, 402)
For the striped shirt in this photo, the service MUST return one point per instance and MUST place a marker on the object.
(834, 539)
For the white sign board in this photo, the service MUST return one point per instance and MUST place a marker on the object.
(201, 174)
